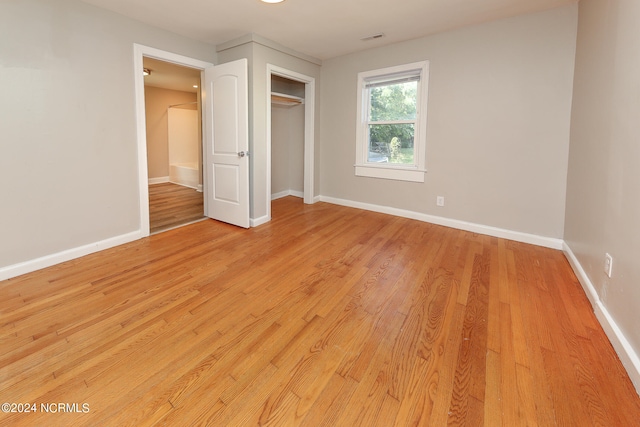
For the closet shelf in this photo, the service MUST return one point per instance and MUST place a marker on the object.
(284, 99)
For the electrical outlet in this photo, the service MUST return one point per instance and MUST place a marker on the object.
(608, 264)
(440, 200)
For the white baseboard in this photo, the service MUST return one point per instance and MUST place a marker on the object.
(159, 180)
(588, 287)
(47, 261)
(280, 195)
(286, 193)
(621, 345)
(259, 221)
(197, 187)
(518, 236)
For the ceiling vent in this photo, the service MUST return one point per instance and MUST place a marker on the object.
(373, 37)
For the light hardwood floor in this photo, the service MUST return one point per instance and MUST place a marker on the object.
(326, 316)
(172, 205)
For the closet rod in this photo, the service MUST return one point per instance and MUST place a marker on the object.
(284, 99)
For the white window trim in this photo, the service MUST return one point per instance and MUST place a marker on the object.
(416, 172)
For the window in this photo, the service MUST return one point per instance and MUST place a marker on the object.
(391, 128)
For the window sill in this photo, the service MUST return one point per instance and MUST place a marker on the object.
(387, 172)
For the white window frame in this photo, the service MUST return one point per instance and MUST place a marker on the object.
(415, 172)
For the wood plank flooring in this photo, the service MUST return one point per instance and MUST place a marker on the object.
(172, 205)
(326, 316)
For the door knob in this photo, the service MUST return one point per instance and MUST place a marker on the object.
(243, 153)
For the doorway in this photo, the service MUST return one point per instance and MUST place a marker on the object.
(174, 144)
(154, 58)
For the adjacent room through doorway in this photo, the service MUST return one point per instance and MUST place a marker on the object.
(174, 144)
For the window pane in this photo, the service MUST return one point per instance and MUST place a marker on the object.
(391, 143)
(394, 101)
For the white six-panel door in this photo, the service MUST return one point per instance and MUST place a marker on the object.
(227, 142)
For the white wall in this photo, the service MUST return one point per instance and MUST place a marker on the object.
(498, 123)
(184, 143)
(603, 185)
(157, 102)
(68, 153)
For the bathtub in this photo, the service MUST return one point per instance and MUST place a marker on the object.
(187, 174)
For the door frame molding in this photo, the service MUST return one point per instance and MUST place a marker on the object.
(140, 51)
(309, 130)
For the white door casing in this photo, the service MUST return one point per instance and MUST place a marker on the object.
(227, 142)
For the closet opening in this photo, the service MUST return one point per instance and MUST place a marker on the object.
(287, 138)
(290, 135)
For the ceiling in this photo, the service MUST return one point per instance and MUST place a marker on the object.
(322, 28)
(171, 76)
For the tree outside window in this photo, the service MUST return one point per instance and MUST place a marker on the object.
(392, 116)
(391, 129)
